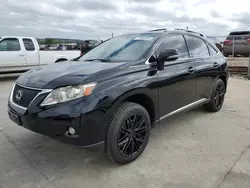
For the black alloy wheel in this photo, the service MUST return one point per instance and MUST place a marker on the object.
(219, 95)
(132, 135)
(128, 133)
(217, 98)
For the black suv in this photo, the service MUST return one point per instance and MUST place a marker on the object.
(115, 93)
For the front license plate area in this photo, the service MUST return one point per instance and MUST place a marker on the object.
(15, 118)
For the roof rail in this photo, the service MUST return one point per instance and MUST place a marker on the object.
(190, 31)
(158, 29)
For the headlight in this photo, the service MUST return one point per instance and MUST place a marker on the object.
(68, 93)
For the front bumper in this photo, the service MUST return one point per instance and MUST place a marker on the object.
(54, 121)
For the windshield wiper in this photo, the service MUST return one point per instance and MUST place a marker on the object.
(102, 60)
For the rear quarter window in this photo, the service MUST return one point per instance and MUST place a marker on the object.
(229, 38)
(212, 50)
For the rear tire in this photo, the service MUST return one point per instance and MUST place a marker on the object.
(128, 133)
(217, 97)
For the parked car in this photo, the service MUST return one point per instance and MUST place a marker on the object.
(84, 48)
(116, 92)
(18, 54)
(67, 46)
(237, 42)
(88, 45)
(52, 46)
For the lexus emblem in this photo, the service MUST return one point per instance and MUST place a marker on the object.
(19, 95)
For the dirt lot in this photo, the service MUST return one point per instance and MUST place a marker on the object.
(238, 61)
(192, 150)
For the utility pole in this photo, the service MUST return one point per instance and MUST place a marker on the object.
(248, 70)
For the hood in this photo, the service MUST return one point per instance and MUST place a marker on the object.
(67, 73)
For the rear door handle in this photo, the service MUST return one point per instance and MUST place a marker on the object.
(21, 55)
(216, 64)
(191, 69)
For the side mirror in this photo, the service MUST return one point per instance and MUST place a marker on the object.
(167, 55)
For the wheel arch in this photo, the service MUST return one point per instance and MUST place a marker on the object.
(224, 79)
(145, 101)
(61, 59)
(142, 96)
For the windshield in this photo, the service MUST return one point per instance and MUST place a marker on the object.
(122, 48)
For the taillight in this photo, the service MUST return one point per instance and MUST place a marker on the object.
(248, 40)
(227, 42)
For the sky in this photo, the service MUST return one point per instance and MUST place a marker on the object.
(85, 19)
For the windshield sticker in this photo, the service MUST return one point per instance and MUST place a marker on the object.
(143, 38)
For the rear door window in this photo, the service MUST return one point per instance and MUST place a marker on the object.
(28, 44)
(10, 44)
(197, 47)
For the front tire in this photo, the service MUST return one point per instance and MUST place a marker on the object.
(128, 133)
(217, 97)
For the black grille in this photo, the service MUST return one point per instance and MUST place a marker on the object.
(26, 96)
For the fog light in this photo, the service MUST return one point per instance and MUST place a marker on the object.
(72, 130)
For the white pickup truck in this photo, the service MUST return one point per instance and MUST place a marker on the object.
(19, 54)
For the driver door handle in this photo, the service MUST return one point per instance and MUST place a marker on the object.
(191, 69)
